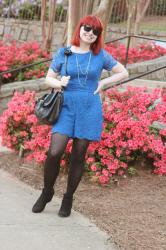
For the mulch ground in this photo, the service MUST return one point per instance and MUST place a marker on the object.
(132, 211)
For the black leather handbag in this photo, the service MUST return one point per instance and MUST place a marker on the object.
(48, 107)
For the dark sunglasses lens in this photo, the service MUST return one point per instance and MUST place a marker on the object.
(96, 32)
(87, 28)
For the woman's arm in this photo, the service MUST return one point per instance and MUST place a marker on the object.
(120, 73)
(52, 81)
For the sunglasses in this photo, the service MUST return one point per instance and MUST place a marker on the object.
(88, 28)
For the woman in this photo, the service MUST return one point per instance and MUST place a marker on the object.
(81, 115)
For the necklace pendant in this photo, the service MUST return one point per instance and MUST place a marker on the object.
(79, 70)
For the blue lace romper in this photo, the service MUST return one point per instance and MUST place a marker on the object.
(81, 115)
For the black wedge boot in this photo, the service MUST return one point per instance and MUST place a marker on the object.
(44, 198)
(66, 206)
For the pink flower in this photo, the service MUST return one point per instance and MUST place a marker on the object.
(63, 163)
(90, 160)
(105, 172)
(120, 172)
(93, 168)
(103, 179)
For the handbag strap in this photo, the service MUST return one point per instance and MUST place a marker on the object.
(66, 58)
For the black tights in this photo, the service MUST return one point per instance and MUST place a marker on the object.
(52, 164)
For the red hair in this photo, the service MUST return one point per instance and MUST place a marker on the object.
(95, 22)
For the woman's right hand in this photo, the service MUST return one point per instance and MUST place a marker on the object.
(64, 80)
(53, 81)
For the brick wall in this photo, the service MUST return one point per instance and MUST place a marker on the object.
(143, 67)
(29, 31)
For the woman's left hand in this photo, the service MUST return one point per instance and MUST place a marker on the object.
(99, 88)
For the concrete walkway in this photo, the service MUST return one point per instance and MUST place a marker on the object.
(20, 229)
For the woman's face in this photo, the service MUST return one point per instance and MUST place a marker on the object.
(87, 34)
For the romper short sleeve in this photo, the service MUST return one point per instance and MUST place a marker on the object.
(109, 61)
(57, 60)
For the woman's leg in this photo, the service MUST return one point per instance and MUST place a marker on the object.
(52, 163)
(51, 170)
(76, 170)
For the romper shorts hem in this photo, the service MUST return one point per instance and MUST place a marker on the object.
(78, 137)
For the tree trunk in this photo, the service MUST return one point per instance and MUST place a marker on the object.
(43, 21)
(48, 40)
(74, 15)
(87, 7)
(131, 7)
(141, 8)
(104, 12)
(64, 35)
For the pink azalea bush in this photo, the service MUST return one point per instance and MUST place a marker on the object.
(128, 131)
(20, 128)
(13, 56)
(143, 52)
(16, 121)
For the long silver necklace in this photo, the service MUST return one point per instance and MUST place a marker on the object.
(79, 69)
